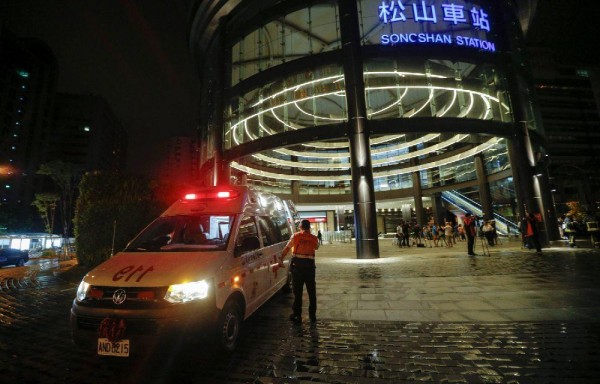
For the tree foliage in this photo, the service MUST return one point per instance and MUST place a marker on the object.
(111, 205)
(65, 177)
(46, 206)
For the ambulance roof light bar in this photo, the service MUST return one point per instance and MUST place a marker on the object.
(212, 195)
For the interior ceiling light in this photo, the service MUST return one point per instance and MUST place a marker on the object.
(393, 172)
(378, 162)
(267, 105)
(374, 149)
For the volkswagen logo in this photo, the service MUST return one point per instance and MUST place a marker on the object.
(119, 296)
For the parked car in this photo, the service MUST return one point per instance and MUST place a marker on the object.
(11, 256)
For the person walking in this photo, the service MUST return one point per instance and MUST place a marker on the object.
(320, 237)
(471, 232)
(303, 245)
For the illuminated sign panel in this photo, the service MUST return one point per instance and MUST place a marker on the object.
(418, 22)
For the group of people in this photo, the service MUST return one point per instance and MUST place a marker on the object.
(447, 234)
(303, 246)
(429, 235)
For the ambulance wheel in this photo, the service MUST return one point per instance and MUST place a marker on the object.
(228, 327)
(288, 287)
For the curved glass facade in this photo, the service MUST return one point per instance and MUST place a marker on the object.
(442, 107)
(395, 89)
(287, 37)
(306, 99)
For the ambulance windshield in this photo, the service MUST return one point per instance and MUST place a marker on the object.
(184, 233)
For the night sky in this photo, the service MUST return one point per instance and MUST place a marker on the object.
(135, 54)
(570, 28)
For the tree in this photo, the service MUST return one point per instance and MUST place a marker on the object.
(66, 177)
(46, 206)
(107, 202)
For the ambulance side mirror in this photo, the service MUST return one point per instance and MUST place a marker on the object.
(248, 244)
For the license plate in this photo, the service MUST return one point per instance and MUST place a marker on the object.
(108, 348)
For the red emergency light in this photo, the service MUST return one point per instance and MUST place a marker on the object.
(212, 195)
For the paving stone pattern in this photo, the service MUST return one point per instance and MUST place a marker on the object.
(35, 342)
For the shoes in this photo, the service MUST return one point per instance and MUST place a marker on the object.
(472, 254)
(295, 319)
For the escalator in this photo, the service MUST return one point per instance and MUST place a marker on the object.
(464, 204)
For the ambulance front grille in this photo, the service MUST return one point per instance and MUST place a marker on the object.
(135, 298)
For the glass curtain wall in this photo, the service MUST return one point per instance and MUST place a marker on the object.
(396, 89)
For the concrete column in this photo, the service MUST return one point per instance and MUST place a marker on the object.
(380, 224)
(331, 220)
(295, 190)
(363, 193)
(438, 207)
(542, 184)
(418, 195)
(485, 196)
(221, 170)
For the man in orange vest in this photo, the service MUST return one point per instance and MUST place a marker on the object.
(303, 246)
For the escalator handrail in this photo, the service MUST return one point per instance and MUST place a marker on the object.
(455, 198)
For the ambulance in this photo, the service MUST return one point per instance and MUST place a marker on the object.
(200, 269)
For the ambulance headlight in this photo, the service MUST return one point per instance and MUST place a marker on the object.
(82, 290)
(182, 293)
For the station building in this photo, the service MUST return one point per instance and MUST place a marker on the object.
(368, 112)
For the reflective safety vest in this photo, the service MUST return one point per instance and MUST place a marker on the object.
(304, 245)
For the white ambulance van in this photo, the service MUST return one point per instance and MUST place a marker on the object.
(205, 265)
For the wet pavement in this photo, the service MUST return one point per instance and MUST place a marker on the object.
(415, 315)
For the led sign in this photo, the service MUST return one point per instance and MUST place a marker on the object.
(453, 23)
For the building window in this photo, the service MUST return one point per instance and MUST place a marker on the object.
(298, 34)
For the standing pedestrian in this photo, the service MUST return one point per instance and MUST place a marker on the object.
(488, 232)
(320, 237)
(471, 232)
(435, 233)
(461, 232)
(303, 246)
(399, 235)
(448, 234)
(406, 234)
(531, 233)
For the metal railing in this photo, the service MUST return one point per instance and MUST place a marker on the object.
(330, 237)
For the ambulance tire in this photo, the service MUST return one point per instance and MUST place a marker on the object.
(288, 287)
(228, 327)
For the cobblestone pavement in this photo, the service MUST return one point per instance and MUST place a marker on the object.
(412, 316)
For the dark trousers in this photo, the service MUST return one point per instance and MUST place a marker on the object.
(470, 244)
(303, 272)
(405, 240)
(490, 237)
(534, 242)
